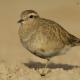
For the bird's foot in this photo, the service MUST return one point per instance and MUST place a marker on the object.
(45, 72)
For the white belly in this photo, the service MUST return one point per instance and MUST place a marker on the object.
(52, 53)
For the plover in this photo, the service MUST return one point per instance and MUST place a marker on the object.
(43, 37)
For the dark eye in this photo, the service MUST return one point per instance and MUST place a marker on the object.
(31, 16)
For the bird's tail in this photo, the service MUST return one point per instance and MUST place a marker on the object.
(75, 41)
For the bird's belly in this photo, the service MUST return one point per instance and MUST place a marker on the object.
(45, 54)
(43, 47)
(48, 54)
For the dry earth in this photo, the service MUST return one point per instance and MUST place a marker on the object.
(16, 63)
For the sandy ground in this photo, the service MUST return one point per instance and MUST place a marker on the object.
(16, 63)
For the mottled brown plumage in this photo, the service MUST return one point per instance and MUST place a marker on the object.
(43, 37)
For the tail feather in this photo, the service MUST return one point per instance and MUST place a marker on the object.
(74, 41)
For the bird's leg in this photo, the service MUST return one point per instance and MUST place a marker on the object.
(46, 65)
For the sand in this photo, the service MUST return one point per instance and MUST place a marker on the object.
(21, 72)
(16, 63)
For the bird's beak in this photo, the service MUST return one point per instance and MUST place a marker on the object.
(20, 21)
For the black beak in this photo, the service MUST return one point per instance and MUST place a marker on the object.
(20, 21)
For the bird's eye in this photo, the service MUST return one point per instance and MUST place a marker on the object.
(31, 16)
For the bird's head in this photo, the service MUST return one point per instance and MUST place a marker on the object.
(28, 16)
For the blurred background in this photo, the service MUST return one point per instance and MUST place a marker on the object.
(64, 12)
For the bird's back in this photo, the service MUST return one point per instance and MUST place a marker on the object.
(59, 33)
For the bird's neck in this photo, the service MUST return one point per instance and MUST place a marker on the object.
(27, 30)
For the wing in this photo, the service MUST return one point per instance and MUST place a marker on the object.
(74, 40)
(54, 31)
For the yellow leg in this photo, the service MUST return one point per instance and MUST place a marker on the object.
(44, 71)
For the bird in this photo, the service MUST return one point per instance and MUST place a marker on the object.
(43, 37)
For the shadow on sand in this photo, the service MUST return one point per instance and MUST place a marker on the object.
(37, 65)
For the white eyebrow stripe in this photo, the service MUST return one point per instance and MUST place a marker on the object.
(34, 14)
